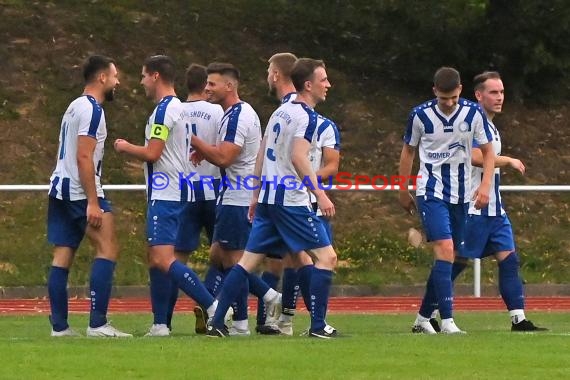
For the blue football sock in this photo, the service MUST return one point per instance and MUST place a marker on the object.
(57, 290)
(510, 284)
(320, 288)
(429, 302)
(235, 282)
(160, 291)
(100, 286)
(257, 286)
(271, 280)
(171, 303)
(190, 284)
(305, 273)
(240, 304)
(290, 290)
(441, 274)
(456, 269)
(214, 280)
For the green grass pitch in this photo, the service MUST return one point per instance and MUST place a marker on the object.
(372, 347)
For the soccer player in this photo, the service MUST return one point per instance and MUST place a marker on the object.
(235, 151)
(444, 129)
(488, 230)
(202, 118)
(280, 85)
(166, 154)
(77, 205)
(284, 220)
(297, 268)
(325, 158)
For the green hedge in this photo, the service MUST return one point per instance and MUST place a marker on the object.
(527, 41)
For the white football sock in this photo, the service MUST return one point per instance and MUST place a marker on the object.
(517, 315)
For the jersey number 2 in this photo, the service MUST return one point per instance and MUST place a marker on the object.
(270, 151)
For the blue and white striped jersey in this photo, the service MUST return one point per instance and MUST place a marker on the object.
(163, 176)
(327, 136)
(495, 206)
(203, 119)
(280, 183)
(83, 117)
(240, 126)
(289, 97)
(445, 147)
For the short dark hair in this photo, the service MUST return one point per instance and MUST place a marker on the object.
(163, 65)
(304, 70)
(93, 65)
(223, 68)
(284, 62)
(480, 79)
(196, 78)
(446, 79)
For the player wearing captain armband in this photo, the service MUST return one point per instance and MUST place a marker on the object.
(165, 153)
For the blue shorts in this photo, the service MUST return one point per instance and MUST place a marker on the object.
(163, 220)
(194, 217)
(67, 221)
(328, 227)
(281, 229)
(232, 227)
(326, 222)
(487, 235)
(442, 220)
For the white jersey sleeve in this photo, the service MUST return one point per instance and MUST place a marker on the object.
(414, 129)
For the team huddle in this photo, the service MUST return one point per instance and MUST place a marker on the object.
(215, 134)
(250, 215)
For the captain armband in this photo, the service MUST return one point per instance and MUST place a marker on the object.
(159, 131)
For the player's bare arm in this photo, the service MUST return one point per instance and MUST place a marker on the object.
(222, 155)
(257, 179)
(481, 195)
(406, 199)
(331, 162)
(85, 148)
(300, 160)
(500, 161)
(148, 153)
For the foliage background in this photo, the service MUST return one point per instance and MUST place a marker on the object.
(380, 55)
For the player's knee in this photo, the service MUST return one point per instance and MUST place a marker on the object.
(443, 250)
(230, 260)
(182, 256)
(63, 257)
(304, 259)
(327, 259)
(274, 266)
(162, 262)
(250, 261)
(105, 244)
(511, 258)
(460, 261)
(153, 261)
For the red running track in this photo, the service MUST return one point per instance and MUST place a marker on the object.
(356, 305)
